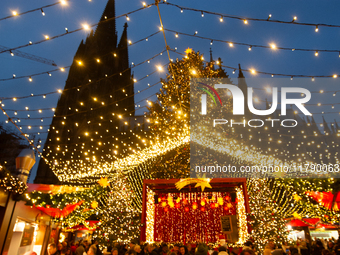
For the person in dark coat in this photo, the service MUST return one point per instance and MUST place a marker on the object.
(317, 249)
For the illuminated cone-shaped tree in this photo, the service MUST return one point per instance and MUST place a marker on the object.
(265, 220)
(171, 114)
(120, 220)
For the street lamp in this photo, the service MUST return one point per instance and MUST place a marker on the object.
(24, 162)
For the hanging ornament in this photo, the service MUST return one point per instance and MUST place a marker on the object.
(94, 204)
(297, 197)
(103, 182)
(202, 203)
(194, 206)
(163, 204)
(220, 201)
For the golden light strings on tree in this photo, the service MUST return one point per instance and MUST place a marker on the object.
(150, 216)
(241, 217)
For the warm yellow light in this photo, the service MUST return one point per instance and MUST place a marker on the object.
(30, 79)
(273, 46)
(221, 19)
(63, 2)
(176, 35)
(98, 60)
(231, 44)
(253, 71)
(316, 29)
(80, 62)
(62, 69)
(94, 99)
(160, 28)
(127, 18)
(160, 68)
(194, 72)
(14, 13)
(86, 26)
(86, 133)
(245, 21)
(144, 4)
(59, 91)
(47, 37)
(316, 53)
(335, 76)
(295, 18)
(130, 42)
(14, 99)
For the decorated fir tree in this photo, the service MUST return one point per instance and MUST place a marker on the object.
(170, 115)
(265, 220)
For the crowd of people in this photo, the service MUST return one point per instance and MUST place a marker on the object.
(299, 247)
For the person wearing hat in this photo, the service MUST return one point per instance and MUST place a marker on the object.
(202, 249)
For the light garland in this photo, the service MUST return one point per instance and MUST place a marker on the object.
(241, 217)
(150, 216)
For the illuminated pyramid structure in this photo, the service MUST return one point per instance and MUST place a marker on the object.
(96, 110)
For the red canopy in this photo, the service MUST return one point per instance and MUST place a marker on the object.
(311, 223)
(56, 212)
(325, 198)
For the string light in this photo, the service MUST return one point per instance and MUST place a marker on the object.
(294, 19)
(317, 29)
(127, 18)
(249, 48)
(14, 13)
(269, 16)
(316, 53)
(202, 14)
(245, 22)
(42, 12)
(221, 19)
(86, 26)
